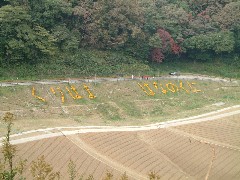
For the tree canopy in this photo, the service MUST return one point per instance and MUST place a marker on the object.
(33, 30)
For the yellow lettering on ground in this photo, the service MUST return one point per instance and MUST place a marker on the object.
(38, 97)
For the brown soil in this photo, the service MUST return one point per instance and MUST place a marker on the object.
(203, 150)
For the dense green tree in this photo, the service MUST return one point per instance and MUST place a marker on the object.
(22, 40)
(3, 3)
(49, 13)
(109, 24)
(229, 16)
(36, 29)
(203, 46)
(67, 40)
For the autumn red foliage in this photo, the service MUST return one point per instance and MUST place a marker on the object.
(168, 44)
(157, 55)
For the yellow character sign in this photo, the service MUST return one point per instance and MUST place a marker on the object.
(169, 87)
(72, 91)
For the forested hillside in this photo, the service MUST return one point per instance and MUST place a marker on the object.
(37, 31)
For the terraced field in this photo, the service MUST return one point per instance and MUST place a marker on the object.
(58, 152)
(204, 147)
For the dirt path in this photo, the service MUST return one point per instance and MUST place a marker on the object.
(149, 147)
(204, 140)
(104, 159)
(59, 131)
(164, 148)
(183, 77)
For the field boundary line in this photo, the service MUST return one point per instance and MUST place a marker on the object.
(102, 79)
(86, 129)
(197, 120)
(160, 125)
(104, 159)
(167, 158)
(202, 139)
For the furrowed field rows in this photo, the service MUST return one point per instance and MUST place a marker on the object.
(225, 130)
(127, 149)
(203, 150)
(58, 152)
(194, 156)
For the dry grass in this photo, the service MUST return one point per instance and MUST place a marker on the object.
(116, 103)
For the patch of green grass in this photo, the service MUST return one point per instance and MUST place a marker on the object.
(230, 97)
(130, 109)
(86, 63)
(89, 62)
(109, 112)
(156, 111)
(221, 69)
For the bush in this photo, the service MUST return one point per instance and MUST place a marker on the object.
(220, 42)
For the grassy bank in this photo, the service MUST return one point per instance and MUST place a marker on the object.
(116, 103)
(90, 63)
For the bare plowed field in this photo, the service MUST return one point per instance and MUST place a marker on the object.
(202, 150)
(58, 152)
(195, 156)
(225, 130)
